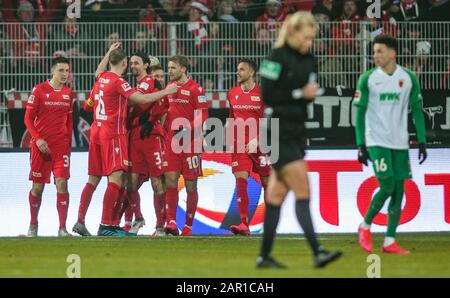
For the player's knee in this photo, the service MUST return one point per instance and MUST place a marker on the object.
(94, 181)
(171, 180)
(61, 185)
(191, 186)
(37, 189)
(387, 185)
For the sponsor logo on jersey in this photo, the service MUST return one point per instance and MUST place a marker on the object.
(56, 103)
(31, 99)
(178, 100)
(66, 97)
(126, 87)
(401, 82)
(255, 98)
(185, 92)
(389, 96)
(270, 70)
(144, 86)
(104, 81)
(246, 107)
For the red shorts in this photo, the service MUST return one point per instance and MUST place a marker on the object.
(248, 162)
(187, 164)
(146, 156)
(108, 156)
(58, 162)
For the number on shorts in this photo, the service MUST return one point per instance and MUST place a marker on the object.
(66, 161)
(380, 165)
(100, 111)
(192, 162)
(158, 158)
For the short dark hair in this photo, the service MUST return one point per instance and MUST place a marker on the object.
(250, 63)
(144, 58)
(388, 40)
(181, 60)
(116, 56)
(60, 60)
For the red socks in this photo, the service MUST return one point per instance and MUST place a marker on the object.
(35, 204)
(242, 199)
(110, 200)
(85, 200)
(117, 213)
(160, 210)
(171, 203)
(192, 202)
(135, 203)
(62, 205)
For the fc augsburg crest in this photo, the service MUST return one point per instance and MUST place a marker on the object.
(400, 83)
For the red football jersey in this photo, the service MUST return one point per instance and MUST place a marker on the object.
(245, 105)
(157, 109)
(53, 109)
(110, 107)
(95, 126)
(189, 97)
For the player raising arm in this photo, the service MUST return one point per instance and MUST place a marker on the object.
(111, 151)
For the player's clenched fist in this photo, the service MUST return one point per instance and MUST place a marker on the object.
(43, 146)
(114, 46)
(171, 89)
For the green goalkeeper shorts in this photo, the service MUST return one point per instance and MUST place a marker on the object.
(390, 162)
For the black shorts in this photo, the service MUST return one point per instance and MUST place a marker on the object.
(289, 151)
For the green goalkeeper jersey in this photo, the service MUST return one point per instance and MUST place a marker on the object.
(382, 102)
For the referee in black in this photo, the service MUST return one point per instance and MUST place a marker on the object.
(288, 84)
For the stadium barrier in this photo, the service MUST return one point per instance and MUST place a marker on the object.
(331, 119)
(343, 49)
(341, 190)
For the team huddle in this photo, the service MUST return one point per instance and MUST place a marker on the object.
(131, 141)
(136, 132)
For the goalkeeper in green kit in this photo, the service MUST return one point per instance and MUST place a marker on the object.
(382, 99)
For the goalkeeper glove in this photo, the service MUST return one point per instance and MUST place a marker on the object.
(363, 155)
(422, 153)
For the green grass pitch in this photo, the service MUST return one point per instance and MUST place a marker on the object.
(216, 256)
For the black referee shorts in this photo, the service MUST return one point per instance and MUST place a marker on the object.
(289, 151)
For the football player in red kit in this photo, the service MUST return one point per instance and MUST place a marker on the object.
(111, 108)
(246, 103)
(189, 104)
(94, 166)
(146, 144)
(48, 118)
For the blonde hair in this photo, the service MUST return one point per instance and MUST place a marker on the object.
(297, 21)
